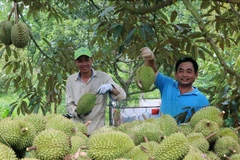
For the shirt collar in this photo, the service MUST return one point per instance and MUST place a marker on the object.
(193, 92)
(78, 76)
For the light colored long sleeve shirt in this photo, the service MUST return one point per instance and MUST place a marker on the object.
(75, 88)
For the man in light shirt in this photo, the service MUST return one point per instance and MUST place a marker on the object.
(93, 81)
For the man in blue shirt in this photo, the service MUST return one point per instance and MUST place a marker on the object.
(180, 98)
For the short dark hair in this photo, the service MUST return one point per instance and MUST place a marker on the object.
(187, 59)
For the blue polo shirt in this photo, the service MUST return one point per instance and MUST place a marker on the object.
(173, 102)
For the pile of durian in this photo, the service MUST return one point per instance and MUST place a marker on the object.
(54, 137)
(17, 34)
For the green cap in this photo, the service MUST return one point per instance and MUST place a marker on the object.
(82, 51)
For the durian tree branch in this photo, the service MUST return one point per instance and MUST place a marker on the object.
(229, 1)
(10, 15)
(144, 10)
(208, 38)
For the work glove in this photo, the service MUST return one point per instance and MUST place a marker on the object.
(147, 54)
(104, 88)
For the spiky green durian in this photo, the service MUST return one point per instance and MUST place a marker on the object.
(51, 144)
(212, 156)
(146, 131)
(174, 147)
(142, 151)
(124, 127)
(226, 145)
(211, 113)
(109, 145)
(9, 131)
(77, 142)
(5, 32)
(235, 157)
(6, 153)
(27, 133)
(81, 127)
(37, 120)
(17, 133)
(185, 128)
(208, 128)
(195, 154)
(86, 103)
(225, 131)
(20, 35)
(199, 141)
(62, 123)
(167, 124)
(144, 78)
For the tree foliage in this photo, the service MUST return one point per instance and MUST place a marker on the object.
(116, 31)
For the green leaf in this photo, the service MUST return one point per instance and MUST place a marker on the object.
(106, 11)
(1, 52)
(129, 37)
(148, 29)
(118, 30)
(59, 77)
(7, 84)
(205, 4)
(173, 16)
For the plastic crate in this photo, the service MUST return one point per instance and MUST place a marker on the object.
(130, 110)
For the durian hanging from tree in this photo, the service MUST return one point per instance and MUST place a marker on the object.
(16, 33)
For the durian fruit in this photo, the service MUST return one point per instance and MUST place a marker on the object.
(124, 127)
(195, 154)
(167, 124)
(146, 131)
(37, 120)
(143, 151)
(199, 141)
(27, 133)
(225, 131)
(109, 145)
(80, 127)
(226, 145)
(235, 157)
(16, 133)
(5, 32)
(212, 156)
(86, 103)
(6, 153)
(173, 147)
(144, 78)
(208, 128)
(62, 123)
(211, 113)
(50, 144)
(20, 35)
(77, 142)
(185, 128)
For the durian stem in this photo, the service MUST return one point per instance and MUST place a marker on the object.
(31, 148)
(222, 113)
(88, 122)
(143, 149)
(210, 135)
(208, 123)
(23, 130)
(225, 156)
(15, 12)
(236, 129)
(145, 138)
